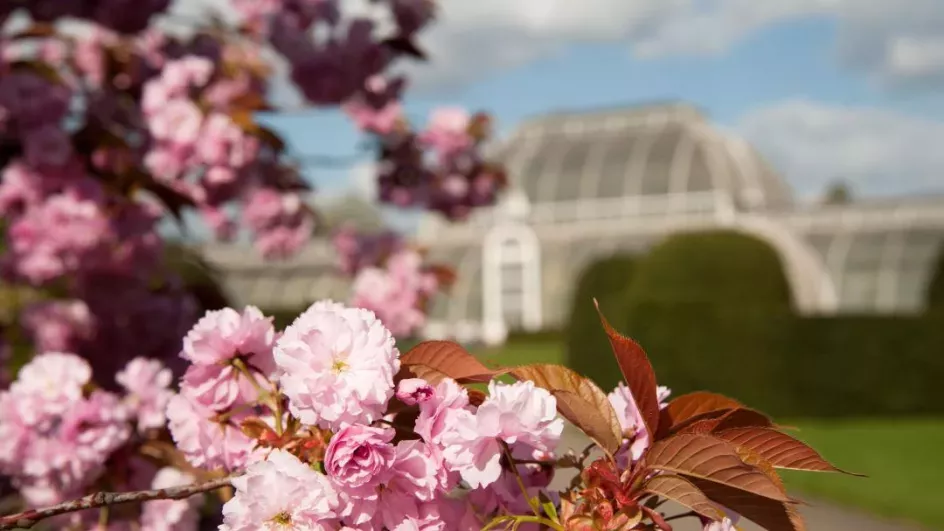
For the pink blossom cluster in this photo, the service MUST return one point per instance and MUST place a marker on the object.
(316, 430)
(636, 438)
(398, 293)
(441, 168)
(202, 152)
(230, 355)
(390, 278)
(58, 430)
(358, 250)
(107, 132)
(65, 231)
(74, 230)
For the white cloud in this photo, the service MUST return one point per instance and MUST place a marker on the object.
(876, 151)
(898, 42)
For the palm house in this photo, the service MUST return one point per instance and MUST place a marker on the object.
(590, 184)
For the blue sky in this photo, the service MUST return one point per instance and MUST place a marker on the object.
(832, 90)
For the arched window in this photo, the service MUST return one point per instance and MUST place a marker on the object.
(511, 257)
(511, 271)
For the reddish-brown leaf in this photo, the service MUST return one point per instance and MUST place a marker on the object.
(713, 459)
(721, 419)
(637, 372)
(758, 461)
(701, 426)
(695, 404)
(780, 449)
(743, 418)
(435, 360)
(770, 514)
(682, 491)
(579, 400)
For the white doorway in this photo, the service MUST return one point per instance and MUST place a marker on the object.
(511, 282)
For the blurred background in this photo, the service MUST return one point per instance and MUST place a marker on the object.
(752, 190)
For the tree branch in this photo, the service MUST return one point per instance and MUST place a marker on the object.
(27, 519)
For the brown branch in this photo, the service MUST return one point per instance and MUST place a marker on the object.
(27, 519)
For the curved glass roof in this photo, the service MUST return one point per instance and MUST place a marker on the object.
(642, 151)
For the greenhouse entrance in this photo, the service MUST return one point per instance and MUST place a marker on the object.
(511, 281)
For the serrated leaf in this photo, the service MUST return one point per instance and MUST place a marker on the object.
(684, 492)
(779, 449)
(770, 514)
(743, 418)
(713, 459)
(637, 372)
(435, 360)
(760, 463)
(694, 405)
(579, 400)
(721, 419)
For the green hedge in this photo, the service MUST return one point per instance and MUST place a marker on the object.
(711, 266)
(797, 366)
(588, 348)
(713, 311)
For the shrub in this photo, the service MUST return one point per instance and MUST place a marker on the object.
(714, 266)
(713, 311)
(799, 366)
(587, 347)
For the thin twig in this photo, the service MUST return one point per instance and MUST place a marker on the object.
(27, 519)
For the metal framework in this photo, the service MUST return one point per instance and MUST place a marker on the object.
(620, 181)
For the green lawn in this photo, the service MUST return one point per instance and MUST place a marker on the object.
(904, 459)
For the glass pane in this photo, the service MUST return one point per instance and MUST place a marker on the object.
(616, 161)
(572, 172)
(699, 177)
(655, 179)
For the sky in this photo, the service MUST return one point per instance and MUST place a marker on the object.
(826, 90)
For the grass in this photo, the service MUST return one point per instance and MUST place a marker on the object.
(903, 458)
